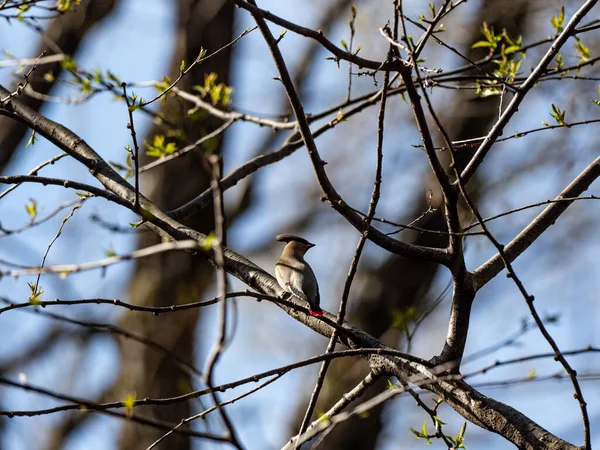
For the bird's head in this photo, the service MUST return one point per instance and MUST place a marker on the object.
(295, 241)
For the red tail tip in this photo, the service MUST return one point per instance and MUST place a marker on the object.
(316, 313)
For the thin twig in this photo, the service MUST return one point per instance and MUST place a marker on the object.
(222, 286)
(136, 148)
(203, 414)
(425, 37)
(37, 61)
(198, 60)
(34, 171)
(16, 179)
(34, 223)
(342, 403)
(35, 289)
(352, 33)
(22, 85)
(188, 148)
(136, 254)
(155, 310)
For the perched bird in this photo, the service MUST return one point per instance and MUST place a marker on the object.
(295, 275)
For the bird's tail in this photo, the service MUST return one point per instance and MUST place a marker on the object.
(316, 312)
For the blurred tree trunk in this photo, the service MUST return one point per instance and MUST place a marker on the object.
(400, 283)
(174, 277)
(65, 34)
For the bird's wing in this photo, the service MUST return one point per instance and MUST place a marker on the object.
(310, 286)
(297, 292)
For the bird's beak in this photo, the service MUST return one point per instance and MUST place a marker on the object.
(310, 245)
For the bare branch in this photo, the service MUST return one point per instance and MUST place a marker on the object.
(66, 269)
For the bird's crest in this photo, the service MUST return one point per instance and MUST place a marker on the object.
(291, 238)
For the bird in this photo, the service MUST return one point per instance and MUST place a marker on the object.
(295, 275)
